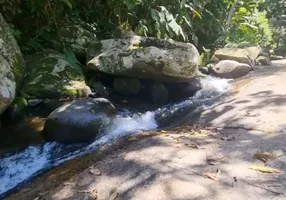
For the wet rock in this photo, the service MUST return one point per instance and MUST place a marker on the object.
(127, 86)
(230, 69)
(274, 57)
(263, 60)
(280, 51)
(100, 90)
(160, 94)
(181, 91)
(144, 58)
(204, 70)
(12, 66)
(242, 55)
(35, 102)
(79, 121)
(17, 108)
(50, 75)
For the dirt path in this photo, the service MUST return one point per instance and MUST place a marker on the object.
(179, 164)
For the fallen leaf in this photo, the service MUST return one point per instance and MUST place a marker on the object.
(264, 169)
(213, 175)
(277, 153)
(214, 163)
(163, 131)
(215, 159)
(95, 171)
(194, 146)
(113, 194)
(130, 139)
(265, 156)
(228, 138)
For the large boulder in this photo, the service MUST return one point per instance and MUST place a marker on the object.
(50, 75)
(144, 58)
(12, 66)
(230, 69)
(242, 55)
(76, 35)
(79, 121)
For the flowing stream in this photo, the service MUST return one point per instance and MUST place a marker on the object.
(17, 168)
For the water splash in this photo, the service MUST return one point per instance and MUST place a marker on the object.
(22, 166)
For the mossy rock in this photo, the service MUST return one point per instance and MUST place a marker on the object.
(76, 35)
(17, 108)
(50, 75)
(144, 58)
(12, 66)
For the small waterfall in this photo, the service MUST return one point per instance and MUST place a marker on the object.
(22, 166)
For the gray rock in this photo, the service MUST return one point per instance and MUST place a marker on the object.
(242, 55)
(79, 121)
(127, 86)
(230, 69)
(263, 60)
(12, 66)
(160, 94)
(144, 58)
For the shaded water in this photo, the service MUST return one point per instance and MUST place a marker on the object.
(22, 166)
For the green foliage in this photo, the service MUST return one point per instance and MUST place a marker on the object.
(208, 23)
(276, 11)
(249, 26)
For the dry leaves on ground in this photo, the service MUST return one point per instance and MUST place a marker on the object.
(264, 169)
(215, 159)
(265, 156)
(213, 175)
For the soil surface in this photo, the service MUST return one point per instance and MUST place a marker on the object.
(210, 161)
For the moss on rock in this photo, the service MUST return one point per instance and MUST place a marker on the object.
(51, 76)
(12, 66)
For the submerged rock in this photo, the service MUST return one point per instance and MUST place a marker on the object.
(79, 121)
(50, 75)
(144, 58)
(230, 69)
(12, 66)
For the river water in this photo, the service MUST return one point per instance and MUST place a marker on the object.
(17, 168)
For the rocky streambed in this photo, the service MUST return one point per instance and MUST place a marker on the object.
(17, 168)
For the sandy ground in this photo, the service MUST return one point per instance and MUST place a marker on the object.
(189, 162)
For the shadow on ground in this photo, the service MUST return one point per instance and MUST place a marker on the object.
(180, 164)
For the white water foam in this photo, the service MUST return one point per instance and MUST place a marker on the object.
(212, 87)
(21, 166)
(17, 168)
